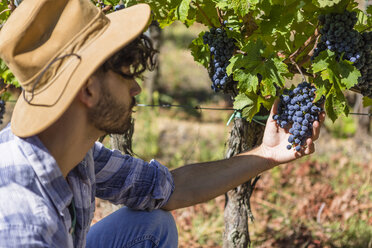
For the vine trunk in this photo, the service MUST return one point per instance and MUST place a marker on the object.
(244, 136)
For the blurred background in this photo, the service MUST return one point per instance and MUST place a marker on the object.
(323, 200)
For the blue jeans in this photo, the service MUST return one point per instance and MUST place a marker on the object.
(127, 228)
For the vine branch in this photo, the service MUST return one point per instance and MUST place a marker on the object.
(203, 13)
(312, 39)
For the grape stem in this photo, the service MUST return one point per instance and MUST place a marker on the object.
(367, 28)
(295, 71)
(298, 68)
(203, 13)
(220, 16)
(5, 10)
(240, 52)
(5, 89)
(308, 42)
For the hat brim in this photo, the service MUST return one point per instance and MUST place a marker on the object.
(124, 26)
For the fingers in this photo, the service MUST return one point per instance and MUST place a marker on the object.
(310, 147)
(271, 125)
(274, 108)
(317, 125)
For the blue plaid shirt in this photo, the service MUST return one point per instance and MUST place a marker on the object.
(34, 195)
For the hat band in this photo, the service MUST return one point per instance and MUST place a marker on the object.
(53, 69)
(38, 80)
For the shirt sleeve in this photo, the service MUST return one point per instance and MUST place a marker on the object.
(22, 236)
(122, 179)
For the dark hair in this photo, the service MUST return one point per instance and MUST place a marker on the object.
(138, 55)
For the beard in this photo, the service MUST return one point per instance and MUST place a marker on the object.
(110, 116)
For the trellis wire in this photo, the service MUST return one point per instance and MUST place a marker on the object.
(197, 107)
(206, 108)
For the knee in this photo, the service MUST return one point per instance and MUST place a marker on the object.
(133, 228)
(165, 220)
(159, 223)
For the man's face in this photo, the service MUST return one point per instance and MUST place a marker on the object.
(113, 112)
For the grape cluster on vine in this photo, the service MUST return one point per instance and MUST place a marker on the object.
(297, 112)
(338, 35)
(222, 48)
(119, 7)
(2, 110)
(365, 81)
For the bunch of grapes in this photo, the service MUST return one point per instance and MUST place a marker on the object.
(365, 81)
(222, 49)
(339, 36)
(297, 112)
(2, 110)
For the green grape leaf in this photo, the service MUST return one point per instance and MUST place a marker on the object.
(326, 3)
(367, 101)
(4, 6)
(341, 72)
(336, 103)
(253, 63)
(322, 87)
(7, 75)
(164, 11)
(249, 104)
(223, 4)
(183, 10)
(349, 74)
(369, 10)
(266, 102)
(242, 7)
(111, 2)
(206, 13)
(336, 76)
(369, 13)
(242, 101)
(247, 81)
(200, 51)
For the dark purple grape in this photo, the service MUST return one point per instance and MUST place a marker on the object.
(296, 113)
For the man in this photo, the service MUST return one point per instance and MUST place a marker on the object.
(77, 68)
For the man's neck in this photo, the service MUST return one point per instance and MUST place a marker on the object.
(69, 139)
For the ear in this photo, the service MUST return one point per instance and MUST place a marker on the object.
(89, 93)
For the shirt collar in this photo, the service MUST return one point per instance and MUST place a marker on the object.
(48, 171)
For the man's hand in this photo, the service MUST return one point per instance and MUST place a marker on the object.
(275, 141)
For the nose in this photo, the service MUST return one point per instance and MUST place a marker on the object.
(136, 89)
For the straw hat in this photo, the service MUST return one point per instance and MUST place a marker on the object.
(53, 46)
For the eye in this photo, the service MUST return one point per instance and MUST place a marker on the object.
(124, 75)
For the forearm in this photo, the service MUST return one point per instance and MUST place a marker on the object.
(196, 183)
